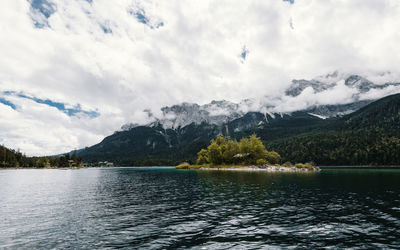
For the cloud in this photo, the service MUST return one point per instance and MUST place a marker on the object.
(117, 58)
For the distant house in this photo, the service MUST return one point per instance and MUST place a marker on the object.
(105, 164)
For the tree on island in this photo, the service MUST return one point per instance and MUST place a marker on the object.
(248, 151)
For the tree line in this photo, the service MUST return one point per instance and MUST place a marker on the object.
(14, 159)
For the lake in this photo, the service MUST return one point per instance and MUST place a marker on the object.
(179, 209)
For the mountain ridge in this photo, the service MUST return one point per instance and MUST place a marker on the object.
(156, 145)
(181, 129)
(362, 90)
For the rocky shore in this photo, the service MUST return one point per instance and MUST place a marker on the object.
(264, 168)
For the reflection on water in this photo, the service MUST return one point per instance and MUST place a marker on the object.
(167, 208)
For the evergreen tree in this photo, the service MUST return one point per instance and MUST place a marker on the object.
(75, 158)
(232, 149)
(257, 149)
(202, 157)
(214, 153)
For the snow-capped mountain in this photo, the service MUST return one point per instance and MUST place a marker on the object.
(359, 90)
(216, 112)
(358, 83)
(327, 111)
(299, 131)
(298, 86)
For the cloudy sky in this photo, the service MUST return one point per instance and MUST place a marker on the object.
(74, 71)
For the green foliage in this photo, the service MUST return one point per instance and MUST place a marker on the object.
(287, 164)
(230, 150)
(202, 157)
(261, 162)
(195, 166)
(186, 165)
(183, 165)
(307, 165)
(256, 149)
(214, 153)
(273, 157)
(224, 150)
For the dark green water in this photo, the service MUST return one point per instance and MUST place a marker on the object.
(170, 209)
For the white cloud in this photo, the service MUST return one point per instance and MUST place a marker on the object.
(193, 57)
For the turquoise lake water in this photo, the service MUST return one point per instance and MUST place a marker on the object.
(163, 208)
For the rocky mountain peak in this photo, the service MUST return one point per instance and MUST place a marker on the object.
(219, 112)
(298, 86)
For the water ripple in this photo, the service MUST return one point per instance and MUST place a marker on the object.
(169, 209)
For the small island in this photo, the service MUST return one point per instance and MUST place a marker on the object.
(224, 153)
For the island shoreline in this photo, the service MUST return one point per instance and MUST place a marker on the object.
(262, 169)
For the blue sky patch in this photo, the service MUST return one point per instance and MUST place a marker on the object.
(74, 111)
(106, 27)
(244, 53)
(160, 25)
(106, 30)
(8, 103)
(45, 9)
(141, 17)
(290, 1)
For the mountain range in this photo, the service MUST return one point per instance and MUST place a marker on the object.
(326, 133)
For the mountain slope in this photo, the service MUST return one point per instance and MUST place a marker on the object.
(149, 145)
(383, 114)
(155, 145)
(370, 136)
(337, 115)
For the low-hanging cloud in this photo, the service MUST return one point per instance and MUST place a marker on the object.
(118, 58)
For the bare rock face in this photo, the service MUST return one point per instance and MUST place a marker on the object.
(246, 114)
(327, 111)
(216, 113)
(361, 84)
(298, 86)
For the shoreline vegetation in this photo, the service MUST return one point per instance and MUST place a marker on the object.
(15, 159)
(11, 159)
(299, 167)
(223, 153)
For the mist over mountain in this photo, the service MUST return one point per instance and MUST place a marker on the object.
(181, 130)
(324, 97)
